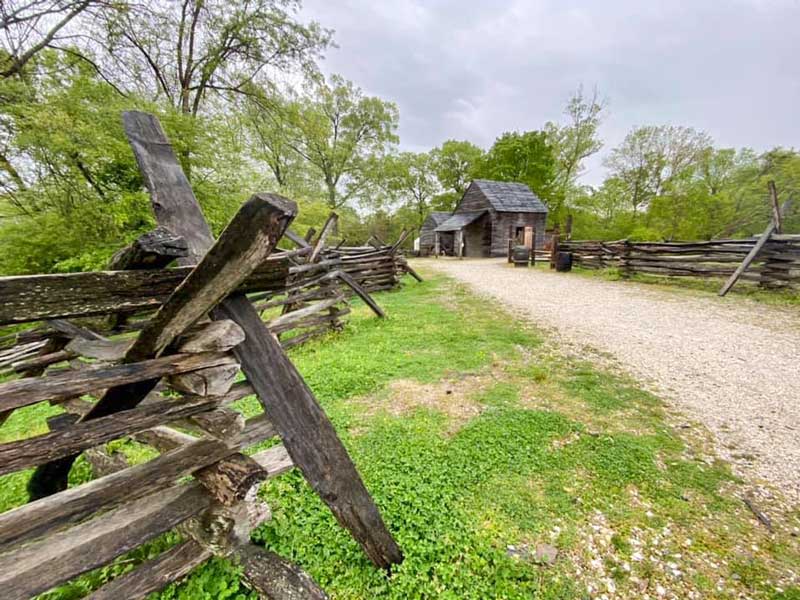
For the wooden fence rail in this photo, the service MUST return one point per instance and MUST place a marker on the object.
(142, 349)
(777, 264)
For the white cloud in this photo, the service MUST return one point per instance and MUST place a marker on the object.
(472, 69)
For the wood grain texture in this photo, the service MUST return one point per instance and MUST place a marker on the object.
(230, 480)
(275, 460)
(327, 228)
(274, 577)
(152, 250)
(222, 424)
(81, 436)
(213, 381)
(170, 192)
(245, 244)
(84, 547)
(773, 227)
(66, 384)
(155, 574)
(105, 350)
(297, 240)
(306, 431)
(359, 291)
(78, 503)
(213, 336)
(35, 297)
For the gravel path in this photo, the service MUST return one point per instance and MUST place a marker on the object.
(732, 364)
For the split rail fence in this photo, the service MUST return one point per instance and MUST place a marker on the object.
(776, 265)
(155, 354)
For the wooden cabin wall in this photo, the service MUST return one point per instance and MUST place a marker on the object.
(478, 238)
(426, 239)
(503, 222)
(472, 200)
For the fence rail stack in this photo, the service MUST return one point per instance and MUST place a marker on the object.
(777, 264)
(159, 355)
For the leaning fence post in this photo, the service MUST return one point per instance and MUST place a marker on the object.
(759, 245)
(306, 431)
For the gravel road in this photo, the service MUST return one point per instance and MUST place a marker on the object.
(731, 364)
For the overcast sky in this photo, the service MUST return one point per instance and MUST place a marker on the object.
(471, 69)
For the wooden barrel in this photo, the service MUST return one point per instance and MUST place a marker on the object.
(564, 261)
(520, 256)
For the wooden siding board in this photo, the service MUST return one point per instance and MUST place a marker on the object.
(477, 238)
(502, 223)
(473, 200)
(427, 238)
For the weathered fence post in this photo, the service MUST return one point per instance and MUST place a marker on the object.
(305, 429)
(625, 267)
(554, 249)
(180, 371)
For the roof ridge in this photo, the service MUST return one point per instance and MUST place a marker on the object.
(510, 196)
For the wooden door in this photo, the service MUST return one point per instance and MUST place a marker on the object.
(528, 237)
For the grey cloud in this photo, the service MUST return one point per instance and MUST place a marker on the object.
(471, 70)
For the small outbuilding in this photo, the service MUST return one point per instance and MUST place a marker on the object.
(427, 235)
(489, 214)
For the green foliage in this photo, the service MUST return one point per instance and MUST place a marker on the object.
(336, 129)
(410, 178)
(523, 157)
(79, 196)
(604, 393)
(217, 580)
(574, 142)
(369, 362)
(455, 163)
(670, 184)
(192, 55)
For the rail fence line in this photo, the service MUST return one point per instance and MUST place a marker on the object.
(777, 264)
(158, 355)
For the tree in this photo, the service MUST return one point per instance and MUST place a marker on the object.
(525, 158)
(750, 207)
(411, 177)
(577, 140)
(266, 120)
(650, 158)
(185, 51)
(337, 130)
(75, 194)
(454, 163)
(602, 213)
(30, 26)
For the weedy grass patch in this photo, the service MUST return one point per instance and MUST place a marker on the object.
(558, 452)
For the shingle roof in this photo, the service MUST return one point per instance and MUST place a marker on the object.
(506, 196)
(439, 217)
(460, 220)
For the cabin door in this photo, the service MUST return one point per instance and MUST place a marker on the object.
(528, 237)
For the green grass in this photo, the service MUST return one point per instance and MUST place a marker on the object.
(552, 449)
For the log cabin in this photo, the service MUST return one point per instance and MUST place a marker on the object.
(427, 234)
(489, 214)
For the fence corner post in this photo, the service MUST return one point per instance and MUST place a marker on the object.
(624, 260)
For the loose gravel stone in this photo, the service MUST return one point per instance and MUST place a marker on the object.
(730, 363)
